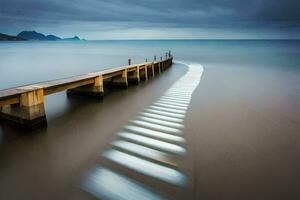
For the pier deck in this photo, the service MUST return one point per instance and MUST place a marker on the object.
(25, 105)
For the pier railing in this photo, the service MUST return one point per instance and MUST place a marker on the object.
(25, 105)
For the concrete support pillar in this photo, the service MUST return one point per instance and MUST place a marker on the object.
(121, 81)
(153, 70)
(160, 67)
(134, 76)
(29, 112)
(144, 73)
(93, 90)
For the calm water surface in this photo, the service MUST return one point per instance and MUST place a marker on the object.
(234, 135)
(29, 62)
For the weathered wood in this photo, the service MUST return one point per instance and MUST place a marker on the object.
(133, 76)
(153, 70)
(32, 98)
(144, 72)
(95, 89)
(121, 81)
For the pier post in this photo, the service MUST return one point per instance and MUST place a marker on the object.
(121, 81)
(153, 71)
(30, 111)
(160, 67)
(94, 90)
(134, 76)
(144, 72)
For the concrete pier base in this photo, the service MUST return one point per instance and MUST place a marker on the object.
(29, 112)
(160, 67)
(93, 90)
(133, 77)
(144, 74)
(120, 81)
(151, 71)
(29, 117)
(90, 91)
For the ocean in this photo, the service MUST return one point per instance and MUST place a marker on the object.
(30, 62)
(222, 123)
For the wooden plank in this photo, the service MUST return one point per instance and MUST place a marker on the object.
(10, 100)
(113, 74)
(69, 85)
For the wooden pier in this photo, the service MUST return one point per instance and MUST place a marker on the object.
(25, 105)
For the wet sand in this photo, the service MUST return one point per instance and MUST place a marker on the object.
(246, 141)
(241, 129)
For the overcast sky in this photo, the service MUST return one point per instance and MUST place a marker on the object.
(153, 19)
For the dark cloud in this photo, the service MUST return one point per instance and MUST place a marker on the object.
(151, 13)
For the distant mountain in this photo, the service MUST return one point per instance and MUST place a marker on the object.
(33, 35)
(4, 37)
(52, 38)
(75, 38)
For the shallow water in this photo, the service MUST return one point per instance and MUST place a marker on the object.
(235, 137)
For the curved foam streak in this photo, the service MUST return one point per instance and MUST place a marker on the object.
(170, 106)
(173, 103)
(155, 134)
(181, 116)
(172, 110)
(146, 167)
(164, 146)
(105, 184)
(175, 99)
(157, 127)
(144, 152)
(161, 122)
(165, 118)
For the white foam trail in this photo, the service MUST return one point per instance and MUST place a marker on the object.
(167, 109)
(146, 167)
(144, 152)
(165, 118)
(165, 146)
(106, 184)
(156, 126)
(165, 113)
(172, 103)
(170, 106)
(155, 134)
(161, 122)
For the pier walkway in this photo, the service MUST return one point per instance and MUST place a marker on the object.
(25, 105)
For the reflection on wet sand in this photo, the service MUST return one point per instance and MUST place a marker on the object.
(149, 145)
